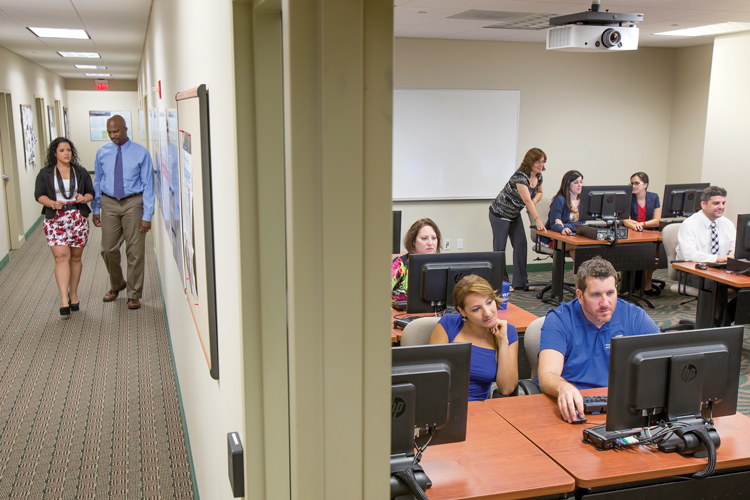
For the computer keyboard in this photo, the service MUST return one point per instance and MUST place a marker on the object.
(595, 404)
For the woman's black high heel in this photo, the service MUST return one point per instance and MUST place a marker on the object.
(65, 312)
(74, 307)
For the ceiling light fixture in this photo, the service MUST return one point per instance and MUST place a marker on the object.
(97, 75)
(711, 29)
(91, 55)
(60, 33)
(89, 66)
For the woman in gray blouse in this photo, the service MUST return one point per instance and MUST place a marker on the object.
(524, 189)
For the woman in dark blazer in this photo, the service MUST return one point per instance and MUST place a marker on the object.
(64, 188)
(645, 212)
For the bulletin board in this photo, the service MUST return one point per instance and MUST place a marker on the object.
(197, 230)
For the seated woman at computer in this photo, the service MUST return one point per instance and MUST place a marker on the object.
(563, 211)
(422, 237)
(575, 339)
(645, 211)
(524, 189)
(494, 349)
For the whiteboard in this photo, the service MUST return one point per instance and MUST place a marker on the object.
(453, 144)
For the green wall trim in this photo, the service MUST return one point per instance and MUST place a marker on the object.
(4, 261)
(540, 266)
(33, 226)
(177, 382)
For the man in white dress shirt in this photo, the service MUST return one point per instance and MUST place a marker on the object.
(707, 236)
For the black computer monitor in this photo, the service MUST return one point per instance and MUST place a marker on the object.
(397, 231)
(742, 245)
(432, 277)
(682, 200)
(672, 376)
(604, 203)
(429, 393)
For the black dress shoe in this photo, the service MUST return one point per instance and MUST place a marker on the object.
(65, 312)
(654, 292)
(74, 307)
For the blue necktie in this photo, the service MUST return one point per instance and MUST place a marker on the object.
(119, 184)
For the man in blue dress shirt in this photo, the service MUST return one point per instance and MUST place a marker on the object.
(575, 339)
(123, 207)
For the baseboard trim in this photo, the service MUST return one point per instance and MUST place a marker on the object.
(4, 261)
(540, 266)
(33, 227)
(177, 383)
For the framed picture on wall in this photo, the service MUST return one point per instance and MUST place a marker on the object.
(66, 122)
(52, 123)
(98, 124)
(29, 137)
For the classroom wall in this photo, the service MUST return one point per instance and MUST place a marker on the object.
(25, 80)
(689, 108)
(607, 115)
(189, 42)
(80, 102)
(725, 160)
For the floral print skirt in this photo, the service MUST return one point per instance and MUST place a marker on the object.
(68, 228)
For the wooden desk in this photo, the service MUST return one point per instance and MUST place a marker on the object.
(713, 299)
(563, 242)
(515, 315)
(495, 462)
(538, 418)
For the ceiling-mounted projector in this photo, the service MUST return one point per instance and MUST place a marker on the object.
(594, 30)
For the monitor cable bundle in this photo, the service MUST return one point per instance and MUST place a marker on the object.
(407, 475)
(693, 436)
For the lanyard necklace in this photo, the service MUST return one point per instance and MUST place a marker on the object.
(62, 186)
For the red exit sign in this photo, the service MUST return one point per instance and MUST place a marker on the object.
(102, 85)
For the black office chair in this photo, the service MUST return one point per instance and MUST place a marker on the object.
(542, 208)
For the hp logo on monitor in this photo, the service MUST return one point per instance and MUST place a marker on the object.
(689, 372)
(397, 407)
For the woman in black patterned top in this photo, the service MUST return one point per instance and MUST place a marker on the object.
(524, 189)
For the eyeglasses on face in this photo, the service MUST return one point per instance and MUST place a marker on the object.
(636, 183)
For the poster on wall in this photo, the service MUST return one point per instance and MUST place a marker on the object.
(98, 124)
(174, 189)
(164, 167)
(29, 137)
(142, 124)
(153, 137)
(66, 122)
(188, 229)
(52, 123)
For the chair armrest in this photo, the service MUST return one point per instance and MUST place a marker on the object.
(526, 388)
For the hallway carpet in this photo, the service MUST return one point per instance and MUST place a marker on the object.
(89, 406)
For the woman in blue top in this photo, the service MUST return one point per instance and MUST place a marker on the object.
(494, 350)
(645, 211)
(563, 211)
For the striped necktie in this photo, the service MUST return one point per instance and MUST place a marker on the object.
(119, 187)
(714, 239)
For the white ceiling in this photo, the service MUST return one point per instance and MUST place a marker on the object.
(428, 18)
(118, 30)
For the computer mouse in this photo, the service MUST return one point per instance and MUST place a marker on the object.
(639, 229)
(579, 419)
(701, 266)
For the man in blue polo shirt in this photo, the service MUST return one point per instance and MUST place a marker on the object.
(575, 338)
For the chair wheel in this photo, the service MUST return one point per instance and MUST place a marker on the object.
(539, 294)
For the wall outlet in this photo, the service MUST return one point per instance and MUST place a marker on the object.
(459, 243)
(447, 245)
